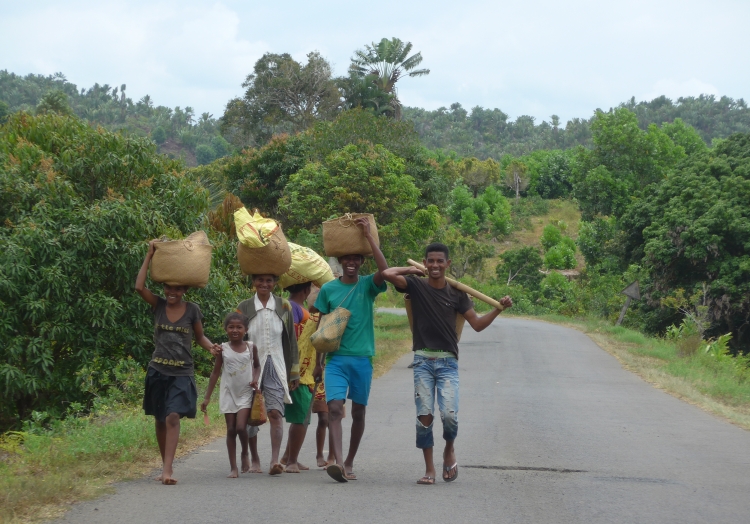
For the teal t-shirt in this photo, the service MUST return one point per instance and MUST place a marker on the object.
(359, 336)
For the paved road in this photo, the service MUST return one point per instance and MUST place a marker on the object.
(552, 430)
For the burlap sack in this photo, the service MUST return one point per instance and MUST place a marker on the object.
(272, 259)
(184, 262)
(307, 266)
(327, 338)
(460, 320)
(341, 236)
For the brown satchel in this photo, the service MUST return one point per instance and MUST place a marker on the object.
(258, 415)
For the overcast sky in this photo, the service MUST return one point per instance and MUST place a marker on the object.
(536, 57)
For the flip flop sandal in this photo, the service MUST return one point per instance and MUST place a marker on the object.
(426, 481)
(337, 473)
(448, 471)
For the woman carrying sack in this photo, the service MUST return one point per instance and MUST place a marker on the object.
(272, 330)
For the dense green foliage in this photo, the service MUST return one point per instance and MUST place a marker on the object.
(77, 205)
(177, 131)
(488, 133)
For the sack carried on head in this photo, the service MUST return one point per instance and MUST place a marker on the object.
(184, 262)
(262, 248)
(460, 319)
(342, 236)
(307, 266)
(258, 415)
(331, 327)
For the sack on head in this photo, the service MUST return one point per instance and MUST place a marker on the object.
(341, 236)
(262, 248)
(184, 262)
(307, 266)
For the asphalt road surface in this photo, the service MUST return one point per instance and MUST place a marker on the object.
(551, 430)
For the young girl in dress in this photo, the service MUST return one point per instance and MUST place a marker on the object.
(239, 366)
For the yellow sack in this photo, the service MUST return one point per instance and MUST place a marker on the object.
(307, 352)
(307, 266)
(254, 230)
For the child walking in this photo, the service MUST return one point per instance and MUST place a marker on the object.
(239, 366)
(170, 383)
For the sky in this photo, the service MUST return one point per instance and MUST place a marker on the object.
(537, 57)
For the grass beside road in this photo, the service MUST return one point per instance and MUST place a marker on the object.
(45, 470)
(718, 385)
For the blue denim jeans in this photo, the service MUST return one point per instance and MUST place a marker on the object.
(439, 375)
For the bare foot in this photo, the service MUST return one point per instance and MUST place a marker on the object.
(169, 481)
(245, 462)
(302, 467)
(255, 468)
(322, 463)
(233, 474)
(293, 468)
(276, 469)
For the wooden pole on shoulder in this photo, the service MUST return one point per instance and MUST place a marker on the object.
(463, 287)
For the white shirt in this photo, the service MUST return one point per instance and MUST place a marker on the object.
(266, 330)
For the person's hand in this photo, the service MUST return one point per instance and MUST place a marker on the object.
(204, 405)
(318, 372)
(215, 349)
(152, 247)
(362, 221)
(506, 302)
(294, 384)
(413, 270)
(254, 385)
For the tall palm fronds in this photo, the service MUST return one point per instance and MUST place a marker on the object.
(387, 61)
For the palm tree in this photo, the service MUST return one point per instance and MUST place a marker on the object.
(387, 62)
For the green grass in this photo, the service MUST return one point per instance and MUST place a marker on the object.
(717, 385)
(44, 470)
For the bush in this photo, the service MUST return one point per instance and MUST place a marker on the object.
(158, 135)
(205, 154)
(560, 256)
(551, 236)
(77, 205)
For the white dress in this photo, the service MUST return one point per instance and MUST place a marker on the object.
(236, 375)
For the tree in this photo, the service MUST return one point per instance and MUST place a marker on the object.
(282, 95)
(387, 62)
(467, 255)
(77, 206)
(695, 230)
(362, 178)
(521, 266)
(516, 177)
(365, 93)
(54, 102)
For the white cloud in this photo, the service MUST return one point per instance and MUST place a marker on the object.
(676, 88)
(536, 57)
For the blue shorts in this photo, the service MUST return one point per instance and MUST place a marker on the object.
(348, 373)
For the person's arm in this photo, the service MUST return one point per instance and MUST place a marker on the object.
(140, 280)
(377, 254)
(397, 275)
(256, 368)
(212, 382)
(479, 323)
(202, 340)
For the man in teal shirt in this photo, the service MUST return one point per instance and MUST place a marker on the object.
(350, 368)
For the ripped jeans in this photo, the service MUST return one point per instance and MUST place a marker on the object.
(436, 375)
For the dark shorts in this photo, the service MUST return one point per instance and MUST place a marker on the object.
(166, 394)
